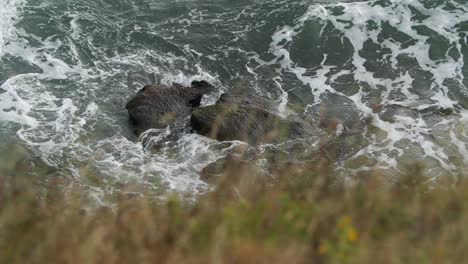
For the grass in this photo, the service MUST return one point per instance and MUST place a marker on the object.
(304, 215)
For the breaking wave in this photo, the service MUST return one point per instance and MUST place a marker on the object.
(67, 71)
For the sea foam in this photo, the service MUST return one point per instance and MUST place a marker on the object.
(9, 15)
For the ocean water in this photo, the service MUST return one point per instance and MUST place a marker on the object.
(67, 68)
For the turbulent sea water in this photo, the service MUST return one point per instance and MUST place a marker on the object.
(67, 69)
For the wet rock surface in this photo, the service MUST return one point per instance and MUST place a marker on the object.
(241, 117)
(161, 106)
(274, 143)
(238, 98)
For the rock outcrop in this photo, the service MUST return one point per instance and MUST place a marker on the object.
(243, 117)
(239, 115)
(161, 106)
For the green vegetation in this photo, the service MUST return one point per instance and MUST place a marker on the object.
(304, 216)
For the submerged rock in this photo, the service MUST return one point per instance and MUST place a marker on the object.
(247, 101)
(161, 106)
(339, 148)
(237, 117)
(216, 170)
(335, 111)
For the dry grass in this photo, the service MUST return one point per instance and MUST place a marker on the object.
(304, 217)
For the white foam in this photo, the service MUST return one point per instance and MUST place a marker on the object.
(60, 125)
(74, 27)
(282, 108)
(12, 107)
(53, 125)
(9, 13)
(176, 166)
(351, 22)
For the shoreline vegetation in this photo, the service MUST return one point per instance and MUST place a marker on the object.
(301, 215)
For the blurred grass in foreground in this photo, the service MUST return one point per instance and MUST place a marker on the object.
(302, 216)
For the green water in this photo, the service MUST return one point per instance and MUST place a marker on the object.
(67, 68)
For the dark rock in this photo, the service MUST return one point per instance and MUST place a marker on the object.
(203, 86)
(231, 121)
(160, 106)
(213, 170)
(391, 113)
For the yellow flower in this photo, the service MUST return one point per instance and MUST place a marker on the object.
(351, 234)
